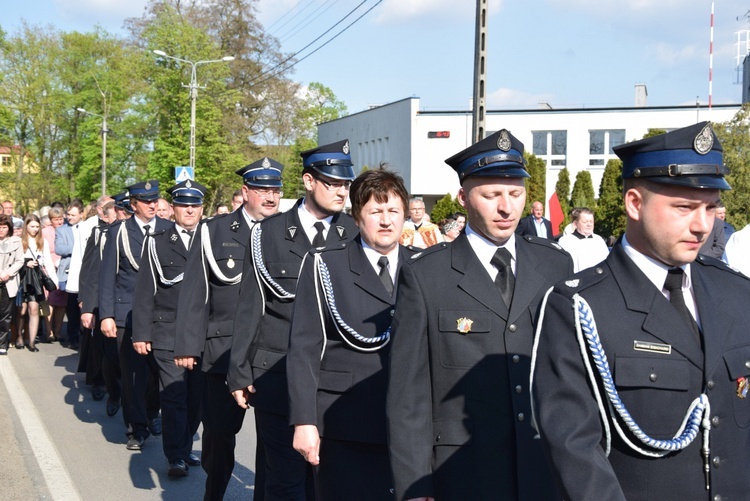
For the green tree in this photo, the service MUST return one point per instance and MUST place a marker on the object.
(583, 191)
(735, 140)
(610, 212)
(562, 188)
(536, 185)
(444, 208)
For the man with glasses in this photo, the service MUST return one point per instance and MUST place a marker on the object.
(205, 314)
(418, 230)
(121, 261)
(257, 372)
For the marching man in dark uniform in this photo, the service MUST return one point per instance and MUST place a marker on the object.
(458, 402)
(643, 362)
(157, 290)
(339, 346)
(205, 314)
(121, 261)
(257, 373)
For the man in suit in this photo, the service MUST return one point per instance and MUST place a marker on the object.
(103, 355)
(120, 264)
(257, 373)
(336, 369)
(205, 314)
(535, 224)
(458, 403)
(157, 290)
(663, 333)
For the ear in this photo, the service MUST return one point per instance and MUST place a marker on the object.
(461, 196)
(634, 201)
(308, 179)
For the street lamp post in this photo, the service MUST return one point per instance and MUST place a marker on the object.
(193, 86)
(104, 147)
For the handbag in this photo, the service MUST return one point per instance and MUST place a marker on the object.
(47, 282)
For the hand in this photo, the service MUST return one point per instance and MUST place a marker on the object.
(4, 277)
(88, 320)
(109, 328)
(243, 395)
(307, 442)
(32, 264)
(186, 362)
(142, 347)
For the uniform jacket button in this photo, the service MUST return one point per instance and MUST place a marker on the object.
(710, 385)
(521, 417)
(653, 377)
(715, 421)
(512, 327)
(716, 461)
(437, 439)
(718, 497)
(283, 272)
(519, 388)
(747, 364)
(516, 359)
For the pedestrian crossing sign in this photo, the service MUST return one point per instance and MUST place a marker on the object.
(183, 174)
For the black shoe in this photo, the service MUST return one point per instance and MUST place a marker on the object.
(73, 345)
(19, 346)
(112, 406)
(135, 443)
(154, 426)
(32, 348)
(98, 391)
(178, 468)
(193, 460)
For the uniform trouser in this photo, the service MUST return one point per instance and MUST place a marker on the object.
(287, 475)
(180, 396)
(110, 364)
(222, 420)
(140, 386)
(353, 470)
(6, 313)
(73, 314)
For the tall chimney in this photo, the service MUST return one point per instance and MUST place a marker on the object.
(641, 95)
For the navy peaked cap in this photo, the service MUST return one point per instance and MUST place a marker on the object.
(265, 172)
(497, 155)
(332, 160)
(187, 193)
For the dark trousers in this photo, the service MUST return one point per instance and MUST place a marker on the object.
(287, 475)
(73, 314)
(180, 392)
(353, 470)
(140, 386)
(222, 420)
(6, 314)
(110, 363)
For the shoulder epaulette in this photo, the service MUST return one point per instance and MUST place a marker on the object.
(582, 280)
(426, 252)
(544, 242)
(719, 264)
(328, 248)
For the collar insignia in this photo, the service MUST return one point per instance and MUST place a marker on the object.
(572, 283)
(415, 256)
(235, 225)
(341, 231)
(173, 237)
(704, 141)
(291, 231)
(503, 142)
(464, 325)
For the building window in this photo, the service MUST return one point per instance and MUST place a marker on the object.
(601, 144)
(5, 160)
(551, 145)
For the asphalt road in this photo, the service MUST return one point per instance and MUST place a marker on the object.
(58, 443)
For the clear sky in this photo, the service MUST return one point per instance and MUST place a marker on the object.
(569, 53)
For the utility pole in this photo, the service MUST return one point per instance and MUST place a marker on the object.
(480, 74)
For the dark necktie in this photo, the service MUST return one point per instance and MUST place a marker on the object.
(319, 240)
(384, 275)
(146, 229)
(190, 234)
(504, 281)
(673, 284)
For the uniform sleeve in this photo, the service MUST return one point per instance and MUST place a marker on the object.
(248, 315)
(305, 348)
(409, 402)
(566, 412)
(108, 275)
(192, 307)
(143, 297)
(85, 291)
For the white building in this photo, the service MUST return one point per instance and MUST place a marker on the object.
(416, 143)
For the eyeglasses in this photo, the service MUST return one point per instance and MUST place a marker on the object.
(335, 186)
(274, 192)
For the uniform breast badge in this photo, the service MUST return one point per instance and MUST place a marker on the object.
(464, 325)
(742, 386)
(230, 263)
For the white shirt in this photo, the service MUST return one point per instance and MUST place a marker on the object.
(656, 272)
(736, 252)
(184, 235)
(586, 252)
(81, 233)
(308, 222)
(541, 229)
(373, 256)
(151, 224)
(485, 250)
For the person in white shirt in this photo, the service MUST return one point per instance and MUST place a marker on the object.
(585, 247)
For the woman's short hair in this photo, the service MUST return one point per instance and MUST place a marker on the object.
(7, 221)
(379, 184)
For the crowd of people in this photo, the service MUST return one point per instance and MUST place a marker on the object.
(388, 357)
